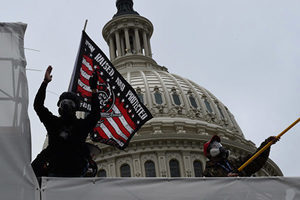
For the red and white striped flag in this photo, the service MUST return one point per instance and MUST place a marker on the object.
(122, 112)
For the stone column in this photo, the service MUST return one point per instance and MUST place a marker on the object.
(112, 49)
(149, 46)
(187, 164)
(137, 41)
(128, 48)
(145, 40)
(111, 167)
(136, 164)
(162, 167)
(117, 35)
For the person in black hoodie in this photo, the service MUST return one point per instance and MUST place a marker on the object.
(66, 154)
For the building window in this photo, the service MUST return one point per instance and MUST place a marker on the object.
(158, 98)
(150, 169)
(174, 168)
(125, 170)
(207, 104)
(140, 94)
(176, 99)
(220, 110)
(197, 168)
(102, 173)
(193, 101)
(141, 97)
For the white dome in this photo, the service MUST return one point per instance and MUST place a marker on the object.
(171, 97)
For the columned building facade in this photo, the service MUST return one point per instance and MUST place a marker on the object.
(186, 115)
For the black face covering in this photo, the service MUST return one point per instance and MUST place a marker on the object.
(67, 109)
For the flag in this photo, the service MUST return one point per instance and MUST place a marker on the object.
(122, 112)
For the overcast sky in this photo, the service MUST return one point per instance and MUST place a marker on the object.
(246, 52)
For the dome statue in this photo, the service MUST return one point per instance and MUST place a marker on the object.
(125, 7)
(186, 115)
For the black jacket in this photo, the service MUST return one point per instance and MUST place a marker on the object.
(66, 152)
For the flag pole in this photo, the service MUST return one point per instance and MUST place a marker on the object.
(86, 21)
(267, 146)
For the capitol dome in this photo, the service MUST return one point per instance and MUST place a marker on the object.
(185, 115)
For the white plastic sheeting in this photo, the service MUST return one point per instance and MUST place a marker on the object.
(278, 188)
(16, 179)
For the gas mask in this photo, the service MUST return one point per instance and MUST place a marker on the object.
(217, 150)
(67, 108)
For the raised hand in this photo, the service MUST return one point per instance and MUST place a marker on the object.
(48, 76)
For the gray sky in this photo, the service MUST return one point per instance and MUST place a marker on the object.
(246, 52)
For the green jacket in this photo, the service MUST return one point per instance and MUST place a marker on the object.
(222, 168)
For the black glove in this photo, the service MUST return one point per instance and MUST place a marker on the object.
(271, 138)
(93, 81)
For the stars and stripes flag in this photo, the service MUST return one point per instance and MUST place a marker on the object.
(122, 112)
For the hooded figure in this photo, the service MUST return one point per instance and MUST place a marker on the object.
(213, 148)
(68, 104)
(67, 154)
(221, 165)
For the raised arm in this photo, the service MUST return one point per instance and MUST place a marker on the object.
(39, 100)
(260, 161)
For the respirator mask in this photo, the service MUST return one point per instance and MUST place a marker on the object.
(67, 108)
(217, 150)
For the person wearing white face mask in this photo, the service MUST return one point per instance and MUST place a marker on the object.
(221, 165)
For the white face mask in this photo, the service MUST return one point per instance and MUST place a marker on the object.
(215, 148)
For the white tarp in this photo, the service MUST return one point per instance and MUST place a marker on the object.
(17, 180)
(277, 188)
